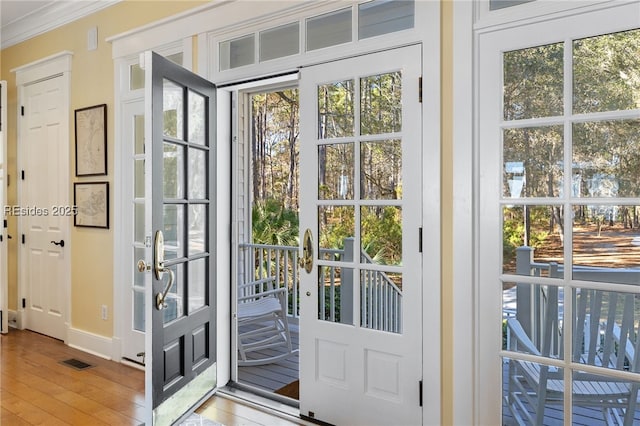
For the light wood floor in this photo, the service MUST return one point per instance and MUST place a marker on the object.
(36, 389)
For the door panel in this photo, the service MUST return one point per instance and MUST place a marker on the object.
(180, 296)
(42, 192)
(361, 329)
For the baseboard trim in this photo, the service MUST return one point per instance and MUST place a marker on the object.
(92, 343)
(12, 317)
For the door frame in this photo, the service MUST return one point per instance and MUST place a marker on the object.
(240, 148)
(215, 23)
(4, 241)
(59, 66)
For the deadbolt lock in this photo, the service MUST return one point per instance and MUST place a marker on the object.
(143, 266)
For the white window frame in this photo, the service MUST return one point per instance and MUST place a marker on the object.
(478, 306)
(123, 178)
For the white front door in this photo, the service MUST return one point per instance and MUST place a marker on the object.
(4, 276)
(43, 206)
(361, 209)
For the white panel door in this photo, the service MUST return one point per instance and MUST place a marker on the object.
(4, 276)
(43, 206)
(361, 291)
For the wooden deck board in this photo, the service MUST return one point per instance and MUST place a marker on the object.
(554, 415)
(271, 377)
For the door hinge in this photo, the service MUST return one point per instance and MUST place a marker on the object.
(22, 174)
(24, 303)
(6, 224)
(22, 111)
(24, 238)
(420, 240)
(420, 89)
(420, 392)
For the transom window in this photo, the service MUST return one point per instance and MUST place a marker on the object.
(372, 18)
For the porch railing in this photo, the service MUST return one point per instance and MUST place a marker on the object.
(533, 301)
(380, 297)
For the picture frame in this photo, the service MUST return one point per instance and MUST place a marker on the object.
(91, 140)
(91, 202)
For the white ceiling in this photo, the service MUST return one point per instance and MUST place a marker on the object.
(23, 19)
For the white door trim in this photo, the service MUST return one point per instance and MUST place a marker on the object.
(58, 65)
(4, 243)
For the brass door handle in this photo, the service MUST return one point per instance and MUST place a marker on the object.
(306, 259)
(159, 269)
(160, 297)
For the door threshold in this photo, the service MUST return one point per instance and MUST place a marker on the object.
(274, 404)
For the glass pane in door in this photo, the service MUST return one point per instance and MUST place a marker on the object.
(381, 170)
(173, 122)
(381, 104)
(336, 110)
(335, 175)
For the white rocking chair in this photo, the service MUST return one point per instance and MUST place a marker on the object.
(263, 329)
(605, 343)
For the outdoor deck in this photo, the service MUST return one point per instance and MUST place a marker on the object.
(271, 377)
(554, 415)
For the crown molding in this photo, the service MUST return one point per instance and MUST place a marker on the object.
(48, 18)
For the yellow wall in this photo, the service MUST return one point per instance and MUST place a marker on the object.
(91, 83)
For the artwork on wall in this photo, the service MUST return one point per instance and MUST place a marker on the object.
(91, 140)
(92, 202)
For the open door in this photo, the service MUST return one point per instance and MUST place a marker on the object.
(4, 274)
(180, 261)
(361, 214)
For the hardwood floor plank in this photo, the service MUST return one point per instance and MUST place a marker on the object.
(8, 418)
(27, 411)
(47, 403)
(225, 408)
(36, 389)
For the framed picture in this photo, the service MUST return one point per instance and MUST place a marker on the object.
(91, 200)
(91, 140)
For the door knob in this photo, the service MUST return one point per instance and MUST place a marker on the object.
(143, 266)
(58, 243)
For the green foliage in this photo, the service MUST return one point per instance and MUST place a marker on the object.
(514, 228)
(274, 224)
(337, 224)
(382, 234)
